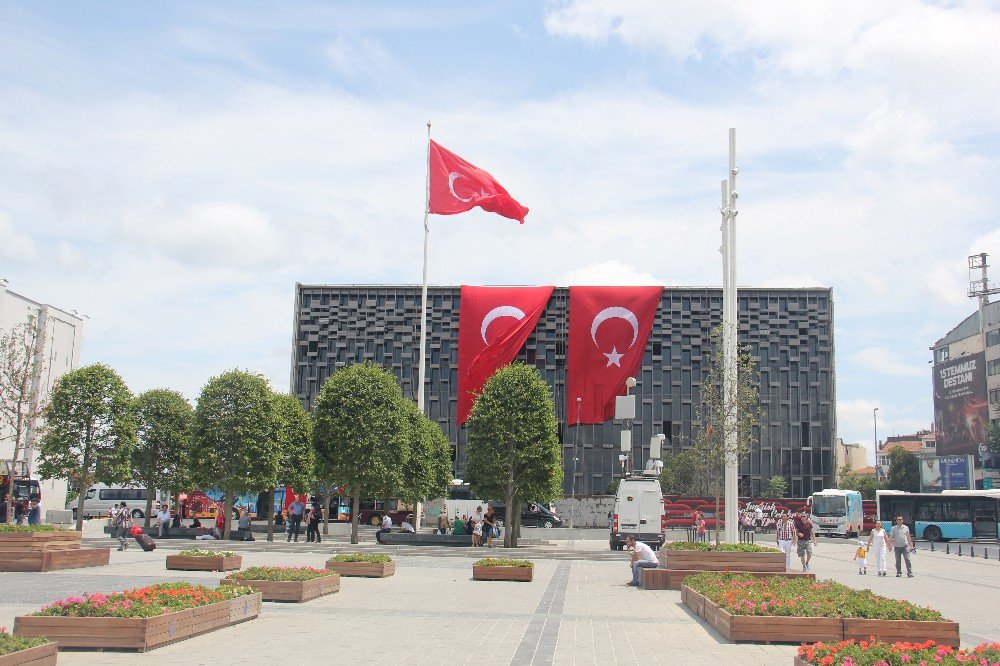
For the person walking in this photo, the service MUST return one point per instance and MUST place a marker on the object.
(312, 524)
(295, 511)
(902, 545)
(443, 522)
(701, 527)
(805, 536)
(643, 557)
(878, 542)
(123, 526)
(861, 557)
(785, 536)
(489, 526)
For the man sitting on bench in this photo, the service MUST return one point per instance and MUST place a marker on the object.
(643, 557)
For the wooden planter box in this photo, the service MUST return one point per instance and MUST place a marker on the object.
(363, 569)
(43, 655)
(49, 560)
(292, 590)
(33, 541)
(192, 563)
(138, 633)
(524, 574)
(797, 630)
(699, 560)
(672, 579)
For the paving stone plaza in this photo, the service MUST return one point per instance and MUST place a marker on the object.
(577, 610)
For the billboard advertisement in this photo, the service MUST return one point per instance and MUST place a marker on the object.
(961, 412)
(939, 473)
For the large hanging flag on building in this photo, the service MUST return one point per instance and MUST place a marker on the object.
(493, 325)
(457, 186)
(608, 330)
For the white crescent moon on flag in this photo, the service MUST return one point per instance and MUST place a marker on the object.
(614, 313)
(496, 313)
(452, 177)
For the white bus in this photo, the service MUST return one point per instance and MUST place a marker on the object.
(836, 512)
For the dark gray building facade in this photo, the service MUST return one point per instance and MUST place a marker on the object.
(789, 331)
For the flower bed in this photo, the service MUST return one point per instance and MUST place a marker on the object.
(879, 653)
(792, 610)
(365, 566)
(691, 556)
(33, 650)
(287, 583)
(503, 569)
(720, 548)
(141, 618)
(196, 559)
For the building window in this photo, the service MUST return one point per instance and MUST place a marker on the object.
(994, 396)
(993, 367)
(941, 354)
(992, 338)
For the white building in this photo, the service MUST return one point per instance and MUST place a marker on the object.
(59, 353)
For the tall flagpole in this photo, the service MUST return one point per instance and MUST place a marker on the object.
(422, 371)
(729, 344)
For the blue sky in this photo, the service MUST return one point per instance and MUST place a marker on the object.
(172, 169)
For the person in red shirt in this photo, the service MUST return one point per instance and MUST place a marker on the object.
(805, 538)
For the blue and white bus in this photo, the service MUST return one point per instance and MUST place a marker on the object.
(952, 514)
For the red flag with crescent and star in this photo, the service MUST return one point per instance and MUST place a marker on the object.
(608, 330)
(457, 186)
(493, 325)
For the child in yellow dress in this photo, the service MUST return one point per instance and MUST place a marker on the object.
(860, 556)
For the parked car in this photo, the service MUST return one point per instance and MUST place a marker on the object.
(638, 513)
(533, 514)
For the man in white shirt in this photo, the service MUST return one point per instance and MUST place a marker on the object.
(386, 527)
(163, 519)
(643, 557)
(902, 545)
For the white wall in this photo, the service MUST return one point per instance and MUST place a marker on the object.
(61, 353)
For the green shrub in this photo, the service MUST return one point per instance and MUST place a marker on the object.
(4, 527)
(876, 653)
(198, 552)
(149, 601)
(279, 573)
(743, 594)
(503, 562)
(722, 547)
(357, 557)
(10, 643)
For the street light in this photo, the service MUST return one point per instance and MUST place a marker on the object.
(576, 439)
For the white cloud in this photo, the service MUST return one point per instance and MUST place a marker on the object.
(611, 272)
(15, 247)
(887, 362)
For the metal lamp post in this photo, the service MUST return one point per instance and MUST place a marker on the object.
(576, 439)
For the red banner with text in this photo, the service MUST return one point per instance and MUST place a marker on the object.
(608, 330)
(493, 325)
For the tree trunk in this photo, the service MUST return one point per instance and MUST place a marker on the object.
(355, 510)
(417, 508)
(84, 481)
(79, 505)
(9, 513)
(149, 509)
(225, 514)
(326, 512)
(270, 514)
(508, 529)
(516, 522)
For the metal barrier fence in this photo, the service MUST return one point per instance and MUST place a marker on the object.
(971, 552)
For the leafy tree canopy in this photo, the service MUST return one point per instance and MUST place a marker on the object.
(428, 471)
(161, 459)
(297, 461)
(904, 470)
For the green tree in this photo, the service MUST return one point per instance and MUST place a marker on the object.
(161, 459)
(20, 366)
(776, 487)
(683, 473)
(721, 419)
(428, 472)
(866, 484)
(358, 433)
(236, 439)
(904, 470)
(90, 431)
(297, 458)
(513, 450)
(612, 488)
(993, 437)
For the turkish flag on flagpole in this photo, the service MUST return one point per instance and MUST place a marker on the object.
(457, 186)
(608, 330)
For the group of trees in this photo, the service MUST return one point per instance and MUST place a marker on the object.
(243, 438)
(904, 474)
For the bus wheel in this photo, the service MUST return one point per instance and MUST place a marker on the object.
(375, 520)
(932, 533)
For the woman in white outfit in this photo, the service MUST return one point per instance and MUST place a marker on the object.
(879, 540)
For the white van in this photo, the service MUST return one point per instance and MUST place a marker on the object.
(100, 498)
(638, 512)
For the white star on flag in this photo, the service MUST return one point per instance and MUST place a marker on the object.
(613, 358)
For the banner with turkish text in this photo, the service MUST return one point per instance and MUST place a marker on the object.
(493, 325)
(608, 330)
(457, 186)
